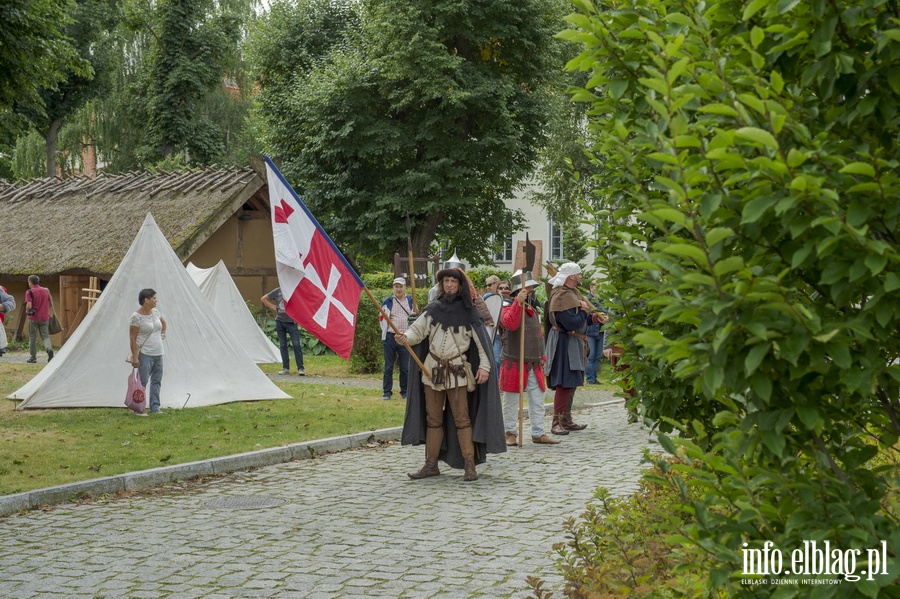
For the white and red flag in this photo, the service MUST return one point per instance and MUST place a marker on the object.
(320, 289)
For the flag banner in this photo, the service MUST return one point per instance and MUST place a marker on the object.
(320, 288)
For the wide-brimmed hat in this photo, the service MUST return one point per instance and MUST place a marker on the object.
(565, 271)
(449, 272)
(518, 280)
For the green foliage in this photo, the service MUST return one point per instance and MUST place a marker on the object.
(30, 156)
(378, 280)
(751, 199)
(575, 242)
(618, 548)
(564, 171)
(388, 109)
(367, 355)
(93, 34)
(193, 44)
(133, 103)
(35, 53)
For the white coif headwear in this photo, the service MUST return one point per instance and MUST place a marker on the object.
(565, 271)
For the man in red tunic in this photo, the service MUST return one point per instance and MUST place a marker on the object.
(511, 368)
(37, 307)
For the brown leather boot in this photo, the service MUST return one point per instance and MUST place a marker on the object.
(471, 473)
(428, 470)
(568, 424)
(557, 427)
(511, 440)
(544, 440)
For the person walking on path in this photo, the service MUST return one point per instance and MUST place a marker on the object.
(565, 346)
(37, 307)
(146, 333)
(284, 326)
(450, 336)
(595, 337)
(510, 367)
(397, 308)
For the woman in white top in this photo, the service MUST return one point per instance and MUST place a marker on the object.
(147, 331)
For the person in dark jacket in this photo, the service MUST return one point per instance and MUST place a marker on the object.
(568, 315)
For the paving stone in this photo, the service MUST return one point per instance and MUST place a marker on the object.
(353, 525)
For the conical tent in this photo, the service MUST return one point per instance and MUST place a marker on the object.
(223, 295)
(203, 364)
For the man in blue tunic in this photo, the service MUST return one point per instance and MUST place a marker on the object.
(569, 317)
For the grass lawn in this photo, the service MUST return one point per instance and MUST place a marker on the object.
(42, 448)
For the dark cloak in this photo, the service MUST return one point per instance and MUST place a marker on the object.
(485, 410)
(565, 353)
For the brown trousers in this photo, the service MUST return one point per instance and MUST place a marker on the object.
(458, 401)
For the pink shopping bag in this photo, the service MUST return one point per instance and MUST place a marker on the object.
(135, 398)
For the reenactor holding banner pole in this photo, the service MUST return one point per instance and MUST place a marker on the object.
(522, 362)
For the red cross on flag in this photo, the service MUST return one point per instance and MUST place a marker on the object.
(320, 289)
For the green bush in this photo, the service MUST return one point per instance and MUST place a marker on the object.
(367, 356)
(749, 158)
(379, 280)
(618, 547)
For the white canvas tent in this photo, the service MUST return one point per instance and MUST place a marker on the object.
(203, 365)
(223, 295)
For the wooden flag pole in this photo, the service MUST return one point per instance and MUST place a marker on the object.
(412, 264)
(412, 354)
(522, 374)
(412, 280)
(528, 251)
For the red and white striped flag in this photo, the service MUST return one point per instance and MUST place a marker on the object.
(320, 289)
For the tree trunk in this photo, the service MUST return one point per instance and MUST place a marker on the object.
(423, 235)
(51, 138)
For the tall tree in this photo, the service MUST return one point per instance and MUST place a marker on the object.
(194, 44)
(432, 109)
(91, 32)
(117, 122)
(34, 54)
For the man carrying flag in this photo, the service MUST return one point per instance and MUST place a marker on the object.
(320, 289)
(455, 407)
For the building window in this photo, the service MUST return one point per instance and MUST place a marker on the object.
(506, 254)
(556, 241)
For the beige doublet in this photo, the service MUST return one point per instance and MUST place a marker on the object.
(448, 345)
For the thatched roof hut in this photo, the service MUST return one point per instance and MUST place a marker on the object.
(79, 227)
(86, 224)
